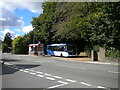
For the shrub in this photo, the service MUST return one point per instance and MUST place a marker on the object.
(112, 52)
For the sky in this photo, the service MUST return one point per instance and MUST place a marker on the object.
(16, 17)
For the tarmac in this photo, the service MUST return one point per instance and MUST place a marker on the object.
(84, 59)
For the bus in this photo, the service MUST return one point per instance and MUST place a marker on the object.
(63, 50)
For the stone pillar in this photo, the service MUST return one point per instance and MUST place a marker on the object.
(101, 54)
(92, 55)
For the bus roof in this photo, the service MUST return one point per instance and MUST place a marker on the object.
(62, 44)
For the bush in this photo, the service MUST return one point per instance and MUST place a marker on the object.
(88, 51)
(112, 52)
(96, 48)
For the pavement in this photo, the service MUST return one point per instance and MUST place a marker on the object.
(83, 59)
(86, 60)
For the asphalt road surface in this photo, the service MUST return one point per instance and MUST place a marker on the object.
(22, 71)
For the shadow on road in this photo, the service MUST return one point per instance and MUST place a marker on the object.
(10, 60)
(78, 57)
(70, 56)
(9, 69)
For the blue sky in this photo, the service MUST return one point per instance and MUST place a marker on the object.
(26, 14)
(16, 17)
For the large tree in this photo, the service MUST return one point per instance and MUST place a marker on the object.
(96, 24)
(7, 43)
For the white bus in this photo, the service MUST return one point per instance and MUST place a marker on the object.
(63, 50)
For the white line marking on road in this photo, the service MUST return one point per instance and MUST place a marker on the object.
(113, 72)
(25, 71)
(40, 75)
(50, 78)
(85, 84)
(47, 74)
(21, 70)
(31, 70)
(32, 73)
(55, 86)
(8, 63)
(39, 72)
(100, 87)
(70, 80)
(57, 77)
(62, 82)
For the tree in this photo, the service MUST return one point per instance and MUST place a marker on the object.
(20, 44)
(92, 24)
(7, 43)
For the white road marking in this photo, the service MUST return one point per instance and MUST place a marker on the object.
(31, 70)
(55, 86)
(70, 80)
(25, 71)
(32, 73)
(85, 84)
(40, 75)
(57, 77)
(8, 63)
(47, 74)
(50, 78)
(100, 87)
(113, 72)
(62, 82)
(39, 72)
(21, 70)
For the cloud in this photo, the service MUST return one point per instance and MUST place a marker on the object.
(18, 30)
(13, 34)
(34, 7)
(8, 18)
(27, 29)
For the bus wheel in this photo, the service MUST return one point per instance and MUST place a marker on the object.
(61, 55)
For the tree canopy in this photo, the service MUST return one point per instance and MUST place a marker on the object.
(94, 23)
(7, 43)
(87, 24)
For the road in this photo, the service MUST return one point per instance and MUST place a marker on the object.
(22, 71)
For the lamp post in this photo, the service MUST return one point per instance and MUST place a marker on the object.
(33, 39)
